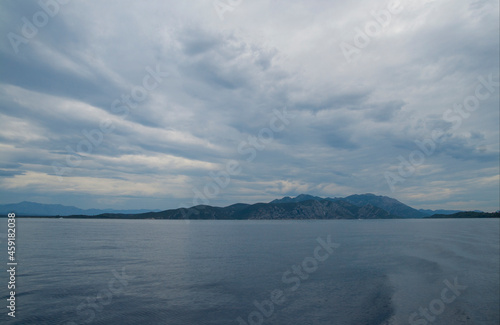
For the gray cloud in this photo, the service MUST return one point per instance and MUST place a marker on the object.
(222, 81)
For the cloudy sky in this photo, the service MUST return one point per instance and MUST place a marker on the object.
(160, 104)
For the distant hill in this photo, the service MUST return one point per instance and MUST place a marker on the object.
(314, 209)
(310, 209)
(304, 206)
(393, 206)
(38, 209)
(431, 212)
(466, 214)
(299, 198)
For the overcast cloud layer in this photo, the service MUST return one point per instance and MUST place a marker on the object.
(217, 75)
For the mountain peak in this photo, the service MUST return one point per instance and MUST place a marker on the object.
(303, 197)
(393, 206)
(389, 204)
(298, 198)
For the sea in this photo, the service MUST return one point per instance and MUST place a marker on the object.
(187, 272)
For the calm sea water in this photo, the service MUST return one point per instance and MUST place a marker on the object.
(251, 272)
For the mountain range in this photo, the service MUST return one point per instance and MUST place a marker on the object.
(38, 209)
(304, 206)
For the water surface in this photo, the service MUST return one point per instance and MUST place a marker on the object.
(74, 271)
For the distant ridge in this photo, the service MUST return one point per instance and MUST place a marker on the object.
(389, 204)
(393, 206)
(432, 212)
(466, 214)
(303, 206)
(299, 198)
(304, 210)
(26, 208)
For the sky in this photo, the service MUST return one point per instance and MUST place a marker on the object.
(162, 104)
